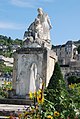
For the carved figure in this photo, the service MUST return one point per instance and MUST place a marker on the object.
(39, 30)
(45, 22)
(33, 76)
(36, 29)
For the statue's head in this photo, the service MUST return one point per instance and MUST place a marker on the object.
(40, 10)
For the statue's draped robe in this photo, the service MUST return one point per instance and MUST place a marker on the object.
(44, 19)
(33, 77)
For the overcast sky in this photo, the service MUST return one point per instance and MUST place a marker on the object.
(17, 15)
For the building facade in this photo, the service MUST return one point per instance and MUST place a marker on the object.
(68, 58)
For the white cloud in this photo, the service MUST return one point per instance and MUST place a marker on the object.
(23, 3)
(9, 25)
(29, 3)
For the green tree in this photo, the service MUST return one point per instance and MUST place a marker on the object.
(72, 79)
(9, 48)
(18, 42)
(58, 94)
(74, 91)
(4, 68)
(78, 80)
(57, 78)
(9, 40)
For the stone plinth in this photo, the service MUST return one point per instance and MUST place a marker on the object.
(31, 67)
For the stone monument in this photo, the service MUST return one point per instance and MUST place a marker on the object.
(35, 61)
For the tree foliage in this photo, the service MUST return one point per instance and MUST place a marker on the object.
(57, 93)
(4, 68)
(9, 44)
(73, 79)
(56, 79)
(4, 40)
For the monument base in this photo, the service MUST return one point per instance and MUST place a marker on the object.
(32, 66)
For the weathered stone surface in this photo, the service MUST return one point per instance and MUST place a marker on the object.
(25, 59)
(35, 61)
(24, 80)
(39, 30)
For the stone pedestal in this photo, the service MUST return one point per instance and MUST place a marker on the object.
(31, 66)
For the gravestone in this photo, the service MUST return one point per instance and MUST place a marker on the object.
(34, 62)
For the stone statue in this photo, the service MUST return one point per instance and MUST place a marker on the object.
(33, 76)
(36, 29)
(45, 22)
(39, 30)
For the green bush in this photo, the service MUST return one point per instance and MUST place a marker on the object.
(57, 93)
(73, 79)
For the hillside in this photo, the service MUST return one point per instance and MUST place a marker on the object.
(4, 40)
(9, 45)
